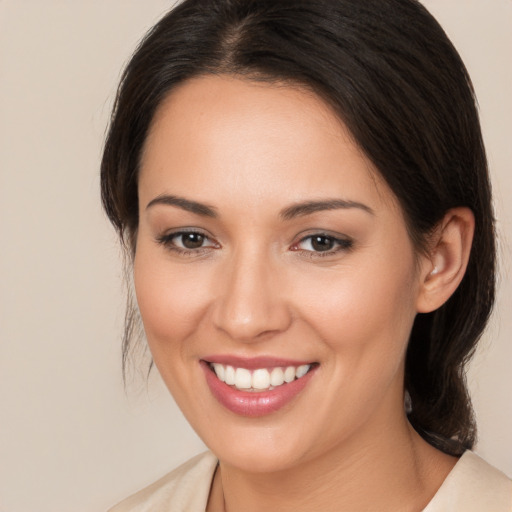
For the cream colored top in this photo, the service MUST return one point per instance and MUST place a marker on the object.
(471, 486)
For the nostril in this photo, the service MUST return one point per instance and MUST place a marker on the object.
(251, 322)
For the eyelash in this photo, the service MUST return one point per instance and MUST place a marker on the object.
(340, 244)
(167, 241)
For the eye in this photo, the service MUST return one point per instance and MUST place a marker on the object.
(189, 240)
(186, 241)
(322, 243)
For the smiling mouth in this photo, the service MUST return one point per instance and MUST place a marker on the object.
(259, 379)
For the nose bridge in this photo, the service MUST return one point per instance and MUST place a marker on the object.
(250, 300)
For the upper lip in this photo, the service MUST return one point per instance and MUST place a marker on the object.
(252, 363)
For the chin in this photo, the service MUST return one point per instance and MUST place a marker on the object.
(252, 458)
(261, 446)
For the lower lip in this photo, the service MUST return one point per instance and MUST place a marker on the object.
(257, 403)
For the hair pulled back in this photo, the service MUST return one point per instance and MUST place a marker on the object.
(389, 71)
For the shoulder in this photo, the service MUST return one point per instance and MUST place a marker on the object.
(473, 486)
(185, 488)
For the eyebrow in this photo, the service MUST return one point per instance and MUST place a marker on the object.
(185, 204)
(309, 207)
(288, 213)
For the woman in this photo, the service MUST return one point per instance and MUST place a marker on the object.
(303, 192)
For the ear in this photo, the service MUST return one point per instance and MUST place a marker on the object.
(444, 266)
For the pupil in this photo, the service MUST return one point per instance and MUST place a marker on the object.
(322, 243)
(192, 240)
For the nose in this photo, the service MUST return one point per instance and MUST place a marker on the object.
(250, 304)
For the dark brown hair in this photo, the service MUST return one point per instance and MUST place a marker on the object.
(389, 71)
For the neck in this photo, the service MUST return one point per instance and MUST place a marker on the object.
(393, 467)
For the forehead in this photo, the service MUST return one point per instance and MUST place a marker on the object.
(219, 136)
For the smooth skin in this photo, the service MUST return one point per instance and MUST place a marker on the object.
(230, 159)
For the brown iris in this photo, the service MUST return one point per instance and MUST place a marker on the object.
(322, 243)
(192, 240)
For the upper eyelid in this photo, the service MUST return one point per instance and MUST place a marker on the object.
(168, 236)
(336, 239)
(183, 231)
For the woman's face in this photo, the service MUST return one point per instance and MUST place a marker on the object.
(268, 245)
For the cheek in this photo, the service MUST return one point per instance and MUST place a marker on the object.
(171, 299)
(363, 313)
(363, 319)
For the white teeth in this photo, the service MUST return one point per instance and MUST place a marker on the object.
(229, 375)
(219, 371)
(277, 377)
(259, 379)
(289, 374)
(302, 370)
(243, 378)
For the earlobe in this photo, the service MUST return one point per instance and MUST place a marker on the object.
(444, 267)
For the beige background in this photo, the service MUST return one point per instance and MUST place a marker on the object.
(70, 438)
